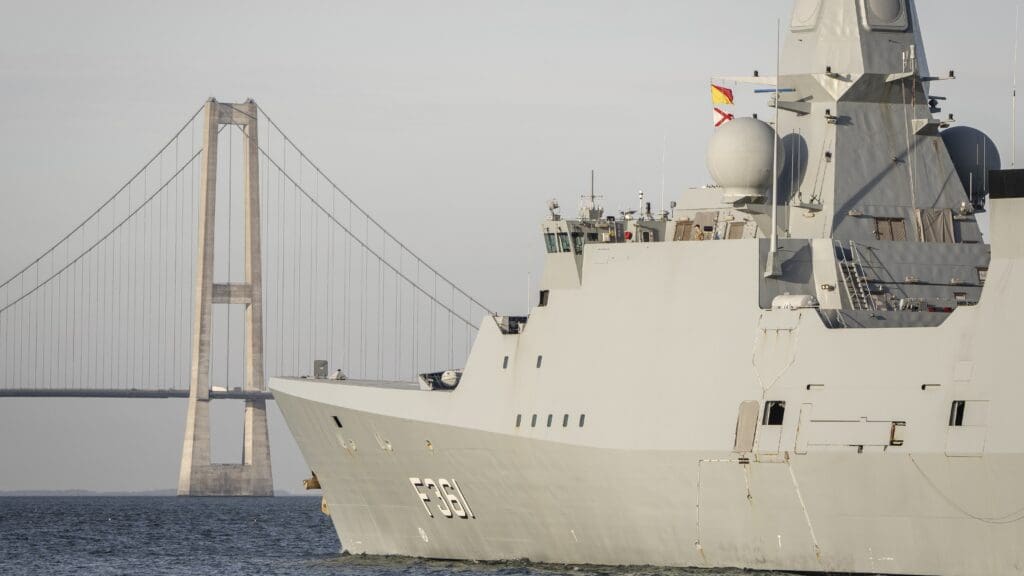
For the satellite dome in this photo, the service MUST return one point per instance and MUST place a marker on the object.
(974, 155)
(740, 158)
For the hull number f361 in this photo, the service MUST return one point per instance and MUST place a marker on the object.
(444, 495)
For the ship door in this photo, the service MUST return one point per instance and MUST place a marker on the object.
(769, 437)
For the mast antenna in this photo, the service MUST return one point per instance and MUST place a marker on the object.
(773, 268)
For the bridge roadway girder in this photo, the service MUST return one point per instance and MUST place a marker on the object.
(130, 393)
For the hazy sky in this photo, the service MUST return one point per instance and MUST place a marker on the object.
(453, 122)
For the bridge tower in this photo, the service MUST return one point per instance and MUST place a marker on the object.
(199, 476)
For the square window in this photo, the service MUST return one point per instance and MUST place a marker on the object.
(774, 413)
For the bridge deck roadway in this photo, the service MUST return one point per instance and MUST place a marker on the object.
(129, 393)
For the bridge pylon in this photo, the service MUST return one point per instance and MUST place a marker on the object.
(199, 476)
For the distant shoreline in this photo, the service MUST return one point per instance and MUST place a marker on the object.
(170, 493)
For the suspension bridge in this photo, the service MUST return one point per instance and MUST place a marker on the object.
(227, 257)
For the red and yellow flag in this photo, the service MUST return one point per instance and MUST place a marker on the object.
(721, 95)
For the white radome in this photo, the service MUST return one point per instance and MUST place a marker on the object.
(740, 157)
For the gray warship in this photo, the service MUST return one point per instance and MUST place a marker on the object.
(821, 376)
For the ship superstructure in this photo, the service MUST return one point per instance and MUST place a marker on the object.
(841, 397)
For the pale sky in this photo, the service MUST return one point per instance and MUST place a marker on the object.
(452, 122)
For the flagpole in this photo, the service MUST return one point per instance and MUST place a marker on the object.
(773, 269)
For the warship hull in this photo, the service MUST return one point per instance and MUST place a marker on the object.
(900, 450)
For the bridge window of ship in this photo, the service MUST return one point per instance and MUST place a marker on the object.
(578, 242)
(956, 414)
(893, 229)
(774, 413)
(563, 242)
(337, 421)
(551, 243)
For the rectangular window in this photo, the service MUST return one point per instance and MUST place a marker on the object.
(540, 360)
(533, 421)
(578, 242)
(565, 421)
(982, 275)
(593, 237)
(774, 413)
(519, 420)
(549, 242)
(892, 229)
(583, 420)
(543, 301)
(961, 298)
(337, 421)
(645, 237)
(551, 418)
(563, 241)
(897, 434)
(956, 414)
(504, 363)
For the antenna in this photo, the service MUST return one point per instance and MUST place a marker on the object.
(664, 146)
(773, 269)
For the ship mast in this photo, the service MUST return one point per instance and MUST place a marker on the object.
(773, 268)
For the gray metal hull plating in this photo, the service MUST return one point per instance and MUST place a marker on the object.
(654, 476)
(551, 502)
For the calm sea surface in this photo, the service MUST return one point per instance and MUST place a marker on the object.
(142, 536)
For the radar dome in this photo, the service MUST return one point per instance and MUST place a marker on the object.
(740, 158)
(974, 154)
